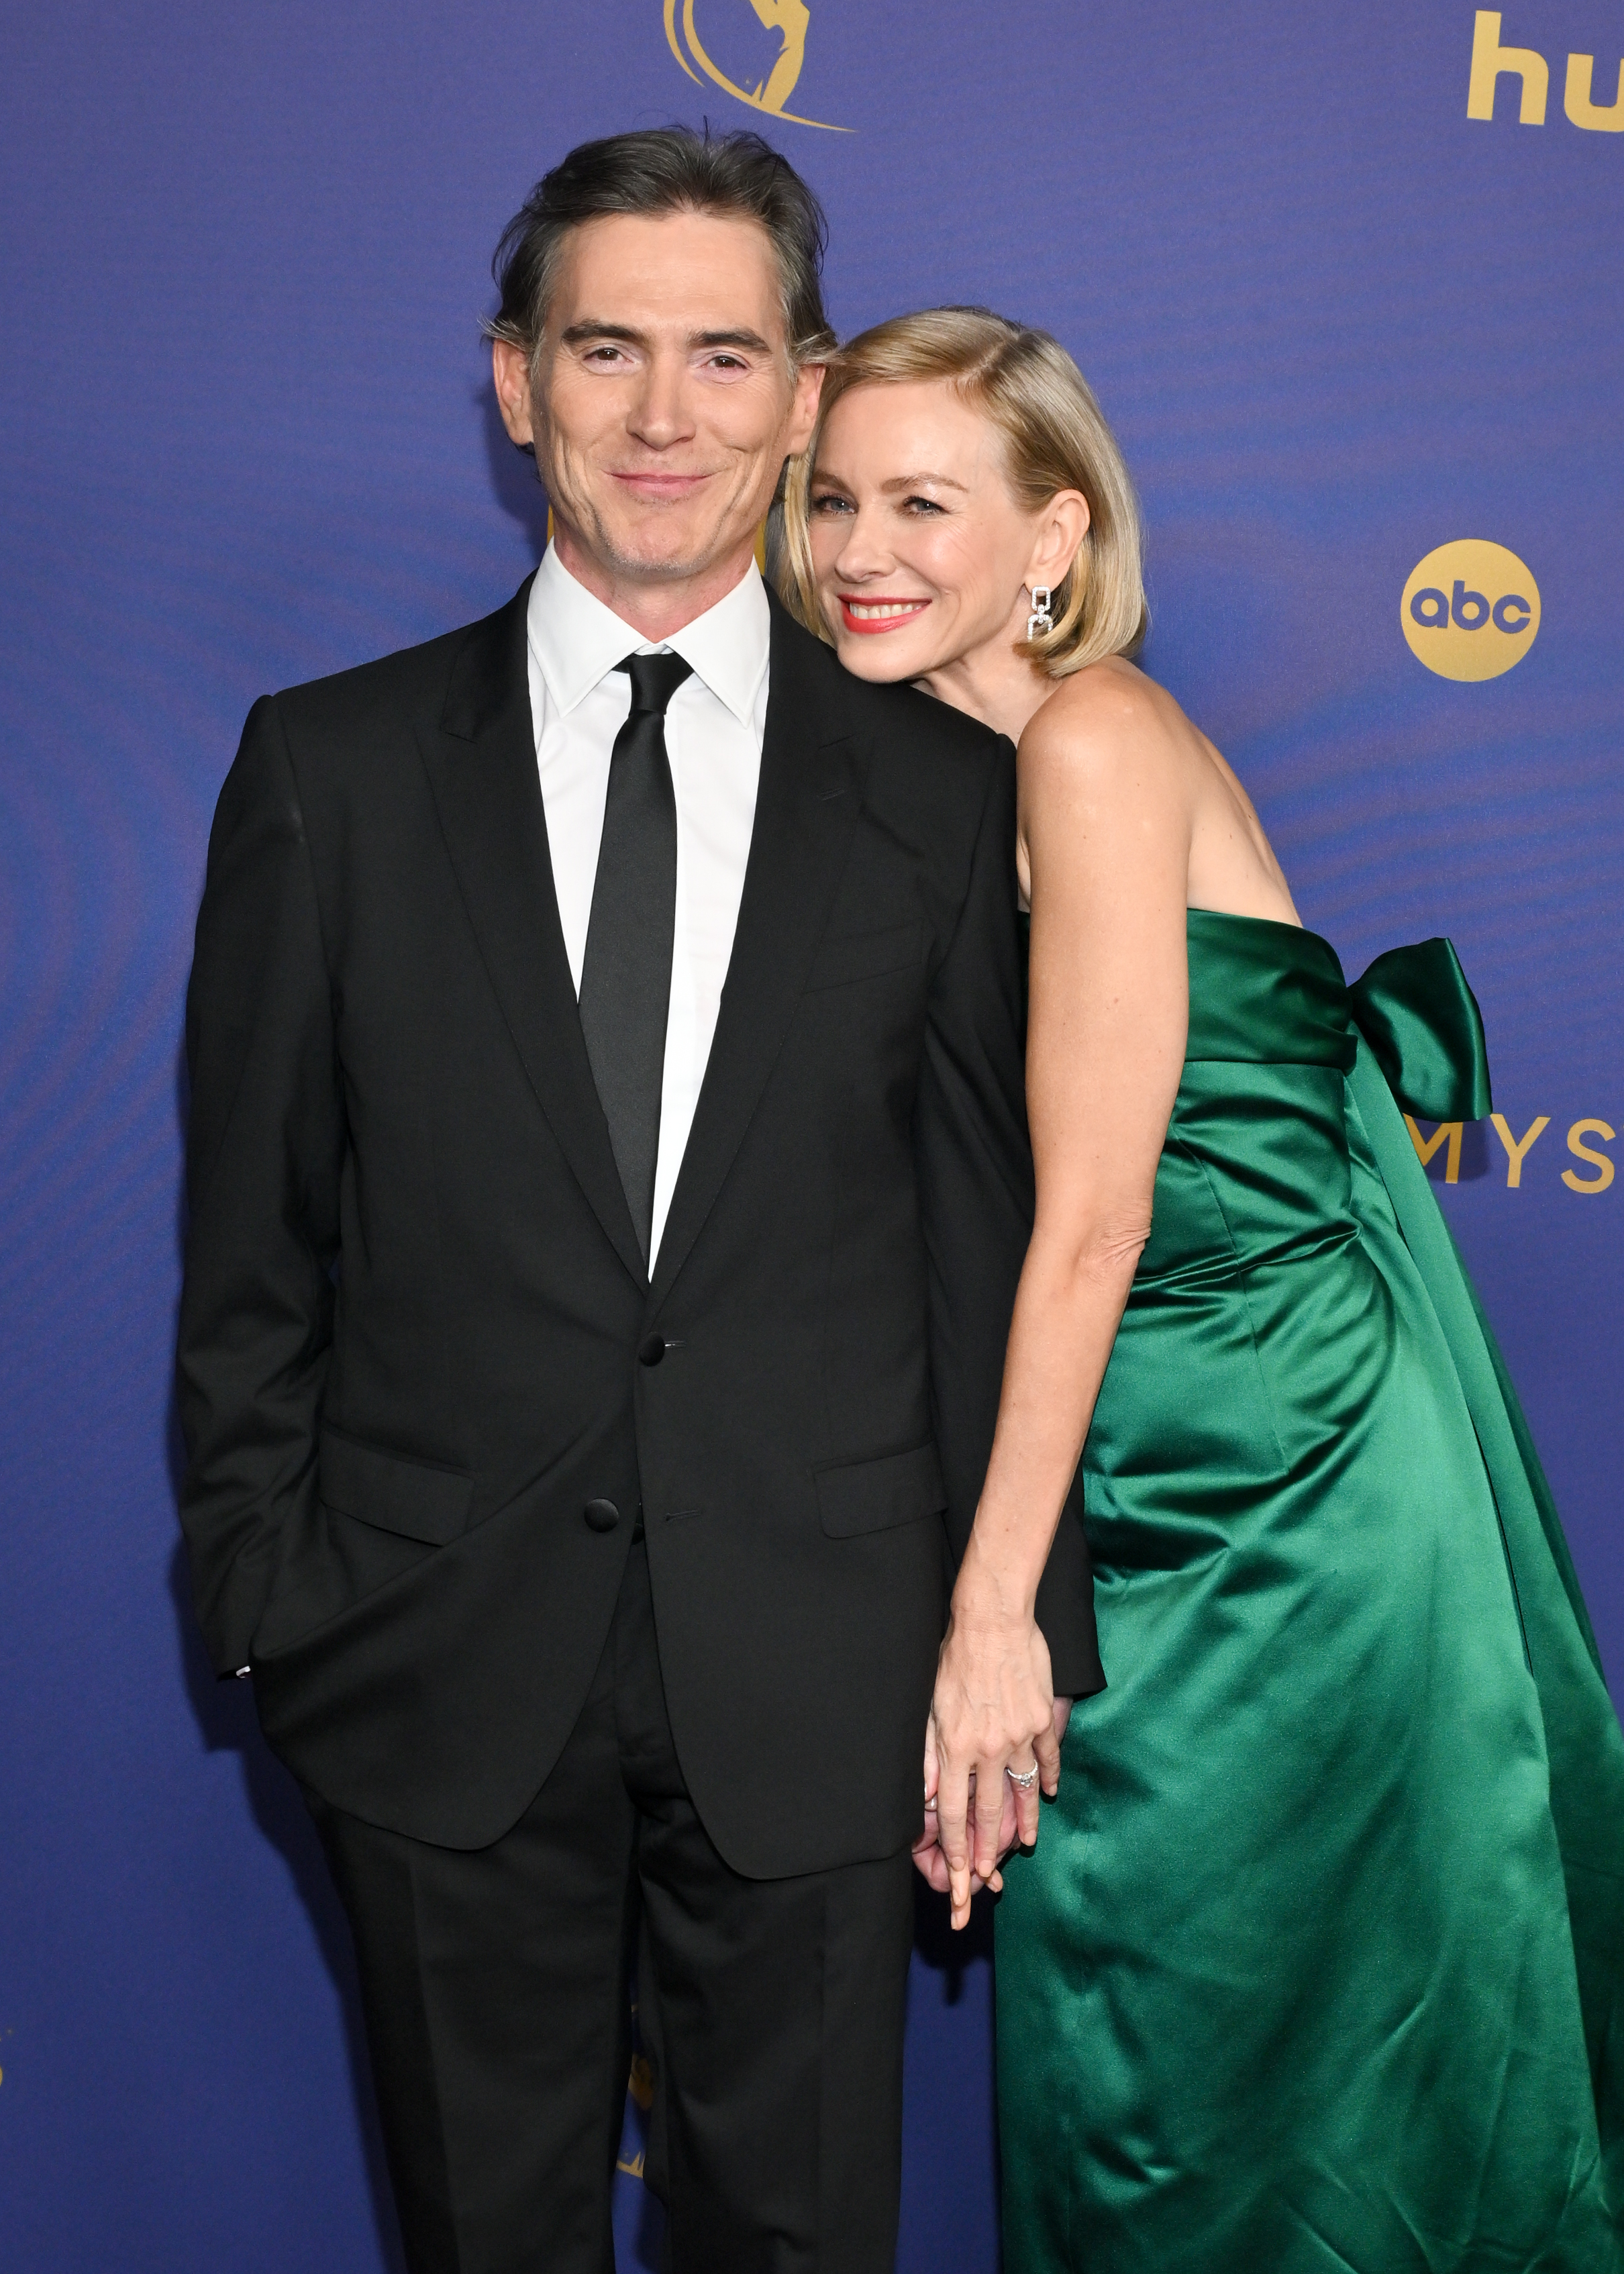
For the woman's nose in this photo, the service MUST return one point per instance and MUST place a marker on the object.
(862, 554)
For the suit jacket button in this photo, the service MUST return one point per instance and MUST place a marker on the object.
(650, 1350)
(602, 1515)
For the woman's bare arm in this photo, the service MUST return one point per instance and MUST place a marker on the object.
(1108, 788)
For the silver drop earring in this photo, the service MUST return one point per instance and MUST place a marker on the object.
(1040, 621)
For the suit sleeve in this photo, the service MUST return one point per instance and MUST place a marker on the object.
(976, 1197)
(265, 1153)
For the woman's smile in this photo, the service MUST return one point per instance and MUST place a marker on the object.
(878, 614)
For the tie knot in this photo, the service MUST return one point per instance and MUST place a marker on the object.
(655, 680)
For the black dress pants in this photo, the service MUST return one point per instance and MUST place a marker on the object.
(495, 1986)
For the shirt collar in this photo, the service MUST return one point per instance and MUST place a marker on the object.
(576, 640)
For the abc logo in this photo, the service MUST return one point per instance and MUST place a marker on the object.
(1471, 610)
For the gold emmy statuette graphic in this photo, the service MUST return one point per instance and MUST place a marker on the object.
(1471, 610)
(789, 18)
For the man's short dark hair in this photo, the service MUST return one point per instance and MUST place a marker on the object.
(666, 169)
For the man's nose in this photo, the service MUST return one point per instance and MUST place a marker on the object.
(660, 411)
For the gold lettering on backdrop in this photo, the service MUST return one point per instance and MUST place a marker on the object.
(1581, 1151)
(1446, 1138)
(1448, 1134)
(1517, 1149)
(1490, 62)
(791, 19)
(1576, 98)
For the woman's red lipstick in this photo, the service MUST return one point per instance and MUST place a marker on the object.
(889, 613)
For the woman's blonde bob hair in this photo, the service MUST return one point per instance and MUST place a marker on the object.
(1056, 438)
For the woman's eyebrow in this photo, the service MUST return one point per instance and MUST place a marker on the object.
(913, 481)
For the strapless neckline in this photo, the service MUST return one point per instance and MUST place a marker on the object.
(1263, 991)
(1269, 923)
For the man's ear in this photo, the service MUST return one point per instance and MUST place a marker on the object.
(510, 368)
(803, 409)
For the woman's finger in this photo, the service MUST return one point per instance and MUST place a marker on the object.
(1026, 1798)
(1046, 1749)
(989, 1785)
(953, 1833)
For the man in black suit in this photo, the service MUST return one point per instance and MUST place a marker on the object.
(588, 1367)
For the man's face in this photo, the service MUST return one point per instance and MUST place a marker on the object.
(663, 407)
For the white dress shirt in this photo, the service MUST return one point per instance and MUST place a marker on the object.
(579, 702)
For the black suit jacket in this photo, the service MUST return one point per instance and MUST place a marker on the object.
(417, 1336)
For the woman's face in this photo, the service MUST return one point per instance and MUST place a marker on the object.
(920, 552)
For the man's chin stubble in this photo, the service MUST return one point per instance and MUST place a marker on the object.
(650, 565)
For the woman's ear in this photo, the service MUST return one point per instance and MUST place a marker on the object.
(1061, 526)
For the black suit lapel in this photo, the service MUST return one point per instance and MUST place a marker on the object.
(481, 762)
(806, 808)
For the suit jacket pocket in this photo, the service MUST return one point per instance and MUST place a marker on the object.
(877, 1495)
(864, 955)
(396, 1495)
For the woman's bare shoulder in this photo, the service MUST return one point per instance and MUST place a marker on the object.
(1106, 720)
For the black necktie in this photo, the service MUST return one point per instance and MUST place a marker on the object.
(626, 972)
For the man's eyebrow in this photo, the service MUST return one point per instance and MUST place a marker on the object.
(913, 481)
(591, 329)
(742, 338)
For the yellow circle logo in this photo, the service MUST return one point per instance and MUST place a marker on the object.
(1471, 610)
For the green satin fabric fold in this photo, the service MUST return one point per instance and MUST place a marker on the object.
(1317, 1961)
(1583, 1741)
(1414, 1009)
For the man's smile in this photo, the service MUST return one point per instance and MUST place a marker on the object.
(661, 487)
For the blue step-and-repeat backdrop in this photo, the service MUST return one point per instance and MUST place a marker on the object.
(1346, 277)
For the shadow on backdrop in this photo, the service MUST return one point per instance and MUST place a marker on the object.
(513, 483)
(227, 1723)
(224, 1712)
(937, 1946)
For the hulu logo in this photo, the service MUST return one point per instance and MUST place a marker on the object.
(1491, 62)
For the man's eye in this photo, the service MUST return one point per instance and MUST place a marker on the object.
(729, 362)
(604, 355)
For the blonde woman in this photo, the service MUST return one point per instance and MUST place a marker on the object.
(1328, 1895)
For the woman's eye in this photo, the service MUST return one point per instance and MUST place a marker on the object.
(921, 505)
(829, 503)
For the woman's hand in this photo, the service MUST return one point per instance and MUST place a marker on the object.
(928, 1860)
(994, 1710)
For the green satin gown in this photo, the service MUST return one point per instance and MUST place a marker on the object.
(1317, 1964)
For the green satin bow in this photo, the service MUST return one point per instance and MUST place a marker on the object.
(1414, 1009)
